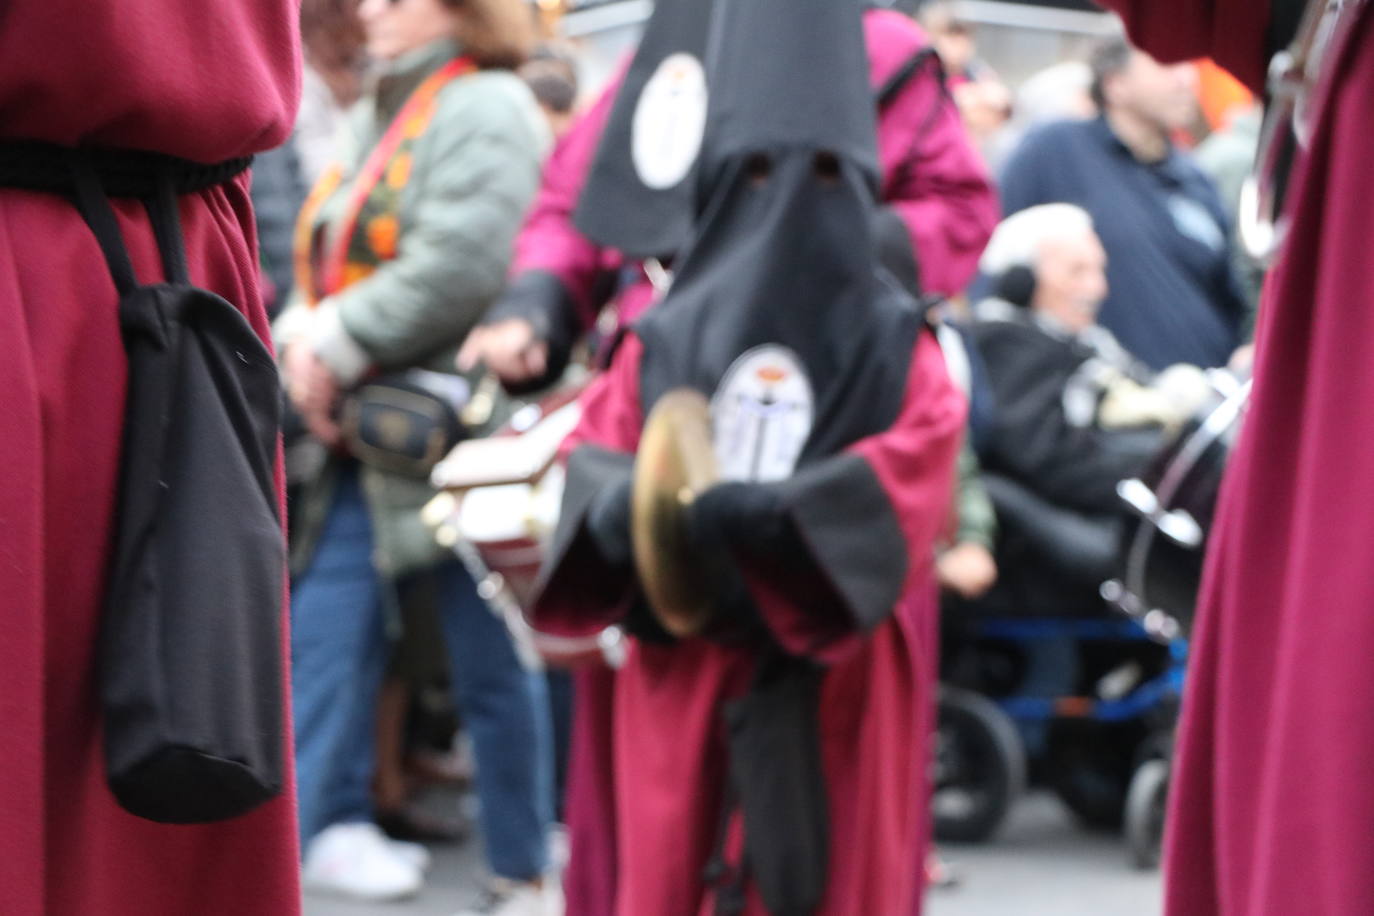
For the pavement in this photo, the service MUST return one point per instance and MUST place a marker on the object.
(1043, 864)
(454, 881)
(1040, 864)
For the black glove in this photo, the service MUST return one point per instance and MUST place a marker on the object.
(739, 515)
(608, 522)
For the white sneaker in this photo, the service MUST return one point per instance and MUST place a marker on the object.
(507, 898)
(414, 853)
(356, 860)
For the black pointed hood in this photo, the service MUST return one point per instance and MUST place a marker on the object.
(799, 79)
(638, 194)
(779, 298)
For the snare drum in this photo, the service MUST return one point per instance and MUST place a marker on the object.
(500, 506)
(509, 525)
(1171, 507)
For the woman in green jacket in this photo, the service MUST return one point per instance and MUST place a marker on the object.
(401, 247)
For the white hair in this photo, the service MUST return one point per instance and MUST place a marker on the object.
(1016, 241)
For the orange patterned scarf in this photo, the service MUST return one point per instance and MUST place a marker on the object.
(368, 232)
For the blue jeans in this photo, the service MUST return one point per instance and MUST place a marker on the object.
(339, 651)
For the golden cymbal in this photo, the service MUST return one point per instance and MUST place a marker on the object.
(675, 463)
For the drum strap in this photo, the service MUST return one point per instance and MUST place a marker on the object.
(1323, 26)
(1285, 16)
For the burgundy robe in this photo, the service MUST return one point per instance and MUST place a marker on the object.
(877, 697)
(1273, 796)
(207, 81)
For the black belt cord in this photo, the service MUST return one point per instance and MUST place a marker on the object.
(87, 189)
(33, 165)
(87, 193)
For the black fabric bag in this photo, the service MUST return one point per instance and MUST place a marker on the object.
(775, 772)
(191, 677)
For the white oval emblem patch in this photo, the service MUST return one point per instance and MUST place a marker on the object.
(669, 121)
(761, 415)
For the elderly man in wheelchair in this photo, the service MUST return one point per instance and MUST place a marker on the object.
(1073, 413)
(1083, 694)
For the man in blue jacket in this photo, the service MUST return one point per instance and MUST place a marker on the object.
(1173, 294)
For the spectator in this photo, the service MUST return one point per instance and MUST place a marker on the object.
(965, 564)
(955, 41)
(984, 100)
(407, 240)
(1063, 91)
(278, 191)
(333, 42)
(1058, 93)
(1074, 412)
(551, 73)
(1228, 157)
(1174, 297)
(985, 107)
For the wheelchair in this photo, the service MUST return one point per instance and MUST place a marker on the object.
(1069, 672)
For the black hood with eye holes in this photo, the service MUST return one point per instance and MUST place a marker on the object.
(783, 252)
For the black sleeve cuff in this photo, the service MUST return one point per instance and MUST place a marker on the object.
(845, 519)
(573, 566)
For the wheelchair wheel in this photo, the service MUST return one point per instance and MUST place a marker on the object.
(1145, 806)
(980, 767)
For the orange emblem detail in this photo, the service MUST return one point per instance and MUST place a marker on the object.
(771, 374)
(382, 234)
(398, 172)
(416, 123)
(354, 272)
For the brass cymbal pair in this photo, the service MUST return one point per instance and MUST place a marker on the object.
(675, 464)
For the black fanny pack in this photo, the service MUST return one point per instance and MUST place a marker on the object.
(191, 679)
(406, 421)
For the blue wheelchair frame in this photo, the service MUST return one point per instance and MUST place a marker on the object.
(1165, 687)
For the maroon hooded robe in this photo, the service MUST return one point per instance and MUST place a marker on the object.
(1273, 798)
(780, 281)
(204, 81)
